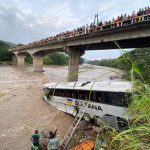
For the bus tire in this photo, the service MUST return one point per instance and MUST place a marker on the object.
(98, 122)
(87, 117)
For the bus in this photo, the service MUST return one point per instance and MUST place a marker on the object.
(105, 101)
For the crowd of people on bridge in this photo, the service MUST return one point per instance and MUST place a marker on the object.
(142, 15)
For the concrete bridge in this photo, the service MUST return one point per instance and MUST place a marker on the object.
(131, 36)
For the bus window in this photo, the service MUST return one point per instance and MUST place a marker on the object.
(103, 97)
(94, 98)
(118, 98)
(108, 97)
(56, 93)
(82, 95)
(68, 93)
(86, 95)
(63, 93)
(71, 93)
(99, 97)
(126, 99)
(74, 94)
(90, 95)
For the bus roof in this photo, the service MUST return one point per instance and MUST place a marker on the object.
(112, 86)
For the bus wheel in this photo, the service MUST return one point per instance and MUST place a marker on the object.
(98, 122)
(87, 117)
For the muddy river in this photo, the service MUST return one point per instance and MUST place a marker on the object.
(21, 106)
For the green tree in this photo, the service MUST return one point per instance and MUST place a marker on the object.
(56, 59)
(5, 55)
(28, 59)
(140, 58)
(47, 61)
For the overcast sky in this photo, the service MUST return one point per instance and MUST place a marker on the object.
(23, 21)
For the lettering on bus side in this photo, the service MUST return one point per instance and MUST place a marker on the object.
(91, 106)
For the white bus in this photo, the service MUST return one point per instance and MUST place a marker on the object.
(107, 100)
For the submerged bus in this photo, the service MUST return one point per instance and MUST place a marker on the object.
(106, 101)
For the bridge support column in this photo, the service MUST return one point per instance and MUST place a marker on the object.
(38, 63)
(20, 60)
(74, 58)
(14, 59)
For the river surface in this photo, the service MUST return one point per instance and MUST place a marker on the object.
(22, 109)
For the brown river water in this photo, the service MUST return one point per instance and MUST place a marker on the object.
(21, 106)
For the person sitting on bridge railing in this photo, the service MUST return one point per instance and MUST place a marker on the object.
(121, 17)
(133, 15)
(92, 26)
(147, 10)
(105, 23)
(141, 15)
(129, 17)
(140, 12)
(109, 22)
(147, 13)
(117, 19)
(125, 16)
(113, 20)
(87, 28)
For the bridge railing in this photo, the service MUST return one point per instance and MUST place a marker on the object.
(87, 30)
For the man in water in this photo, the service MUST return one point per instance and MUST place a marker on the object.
(35, 139)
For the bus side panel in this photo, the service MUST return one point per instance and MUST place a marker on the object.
(60, 104)
(99, 109)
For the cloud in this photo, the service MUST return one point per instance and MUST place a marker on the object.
(24, 25)
(21, 24)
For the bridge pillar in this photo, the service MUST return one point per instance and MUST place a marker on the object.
(14, 59)
(37, 63)
(20, 60)
(74, 58)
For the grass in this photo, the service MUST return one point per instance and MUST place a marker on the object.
(137, 136)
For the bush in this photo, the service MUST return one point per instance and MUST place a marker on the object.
(5, 55)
